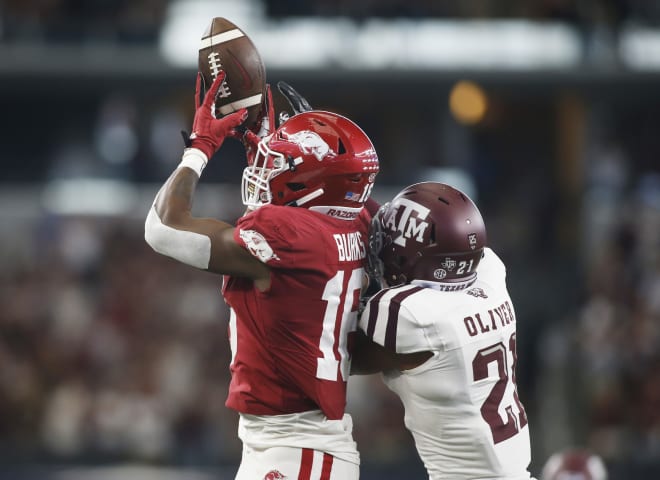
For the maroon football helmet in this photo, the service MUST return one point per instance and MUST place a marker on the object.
(317, 160)
(574, 464)
(429, 232)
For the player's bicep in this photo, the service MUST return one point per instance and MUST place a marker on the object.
(370, 357)
(226, 256)
(230, 258)
(204, 243)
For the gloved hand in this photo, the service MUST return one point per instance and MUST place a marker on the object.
(264, 127)
(298, 102)
(209, 132)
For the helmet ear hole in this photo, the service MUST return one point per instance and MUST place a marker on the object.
(296, 187)
(432, 235)
(341, 149)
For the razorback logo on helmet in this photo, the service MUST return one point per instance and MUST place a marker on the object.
(411, 222)
(274, 475)
(311, 143)
(257, 245)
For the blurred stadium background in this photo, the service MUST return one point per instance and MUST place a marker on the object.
(114, 360)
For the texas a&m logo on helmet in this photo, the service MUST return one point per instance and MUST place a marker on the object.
(411, 222)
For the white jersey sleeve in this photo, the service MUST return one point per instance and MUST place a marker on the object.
(461, 406)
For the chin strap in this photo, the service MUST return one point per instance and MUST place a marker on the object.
(306, 198)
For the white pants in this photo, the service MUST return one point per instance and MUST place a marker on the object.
(297, 446)
(293, 463)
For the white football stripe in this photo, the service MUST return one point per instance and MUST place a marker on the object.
(238, 104)
(317, 465)
(219, 38)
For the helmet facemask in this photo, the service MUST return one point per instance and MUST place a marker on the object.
(267, 164)
(375, 266)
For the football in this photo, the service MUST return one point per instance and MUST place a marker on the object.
(226, 47)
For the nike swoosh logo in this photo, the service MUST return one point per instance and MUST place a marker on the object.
(247, 81)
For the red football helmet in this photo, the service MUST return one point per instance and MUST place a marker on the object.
(574, 464)
(316, 159)
(429, 232)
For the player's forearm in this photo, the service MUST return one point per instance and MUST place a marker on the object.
(174, 201)
(169, 228)
(175, 198)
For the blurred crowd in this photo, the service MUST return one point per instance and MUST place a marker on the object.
(617, 328)
(67, 21)
(72, 21)
(614, 12)
(109, 351)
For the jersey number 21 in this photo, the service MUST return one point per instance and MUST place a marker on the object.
(497, 353)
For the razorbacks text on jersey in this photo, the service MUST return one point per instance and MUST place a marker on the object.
(461, 405)
(290, 343)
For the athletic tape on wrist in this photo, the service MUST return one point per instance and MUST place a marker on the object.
(194, 159)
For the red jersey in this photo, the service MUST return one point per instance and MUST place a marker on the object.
(290, 350)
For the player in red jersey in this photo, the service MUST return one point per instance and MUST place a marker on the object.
(293, 269)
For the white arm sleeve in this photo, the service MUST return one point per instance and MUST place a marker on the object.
(191, 248)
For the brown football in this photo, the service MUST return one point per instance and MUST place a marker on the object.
(226, 47)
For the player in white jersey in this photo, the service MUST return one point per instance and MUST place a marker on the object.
(443, 332)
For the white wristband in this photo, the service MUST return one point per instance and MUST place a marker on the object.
(194, 159)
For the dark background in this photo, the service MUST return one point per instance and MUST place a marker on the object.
(114, 360)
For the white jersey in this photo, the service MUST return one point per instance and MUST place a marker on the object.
(461, 405)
